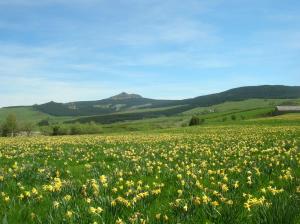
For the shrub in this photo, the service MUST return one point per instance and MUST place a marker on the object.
(93, 128)
(27, 128)
(9, 127)
(4, 130)
(196, 121)
(46, 130)
(59, 130)
(76, 129)
(44, 122)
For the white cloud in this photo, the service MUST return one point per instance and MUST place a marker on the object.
(114, 43)
(174, 31)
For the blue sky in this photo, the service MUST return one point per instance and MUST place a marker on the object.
(66, 50)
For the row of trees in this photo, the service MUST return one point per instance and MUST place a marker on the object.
(198, 121)
(233, 118)
(71, 129)
(10, 127)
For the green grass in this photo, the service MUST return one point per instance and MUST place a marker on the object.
(237, 107)
(28, 114)
(183, 120)
(141, 110)
(246, 112)
(202, 162)
(241, 105)
(23, 114)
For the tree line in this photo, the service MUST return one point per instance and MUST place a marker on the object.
(11, 128)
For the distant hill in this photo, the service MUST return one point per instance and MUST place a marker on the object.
(125, 96)
(248, 92)
(125, 106)
(119, 103)
(180, 106)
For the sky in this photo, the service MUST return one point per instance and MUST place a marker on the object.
(64, 50)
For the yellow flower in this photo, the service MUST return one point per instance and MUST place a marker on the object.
(157, 216)
(197, 200)
(224, 188)
(21, 196)
(179, 176)
(27, 194)
(32, 215)
(156, 192)
(205, 199)
(215, 203)
(69, 214)
(103, 179)
(236, 184)
(166, 218)
(92, 210)
(119, 221)
(34, 191)
(7, 199)
(88, 166)
(113, 203)
(55, 204)
(67, 197)
(185, 207)
(229, 202)
(97, 210)
(57, 184)
(179, 192)
(247, 206)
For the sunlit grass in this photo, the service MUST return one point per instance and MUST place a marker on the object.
(196, 175)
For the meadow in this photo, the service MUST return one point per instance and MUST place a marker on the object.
(217, 174)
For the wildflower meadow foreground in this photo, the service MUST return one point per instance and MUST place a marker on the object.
(189, 175)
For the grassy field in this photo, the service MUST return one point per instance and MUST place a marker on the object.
(28, 114)
(249, 109)
(213, 174)
(243, 116)
(243, 105)
(259, 116)
(23, 113)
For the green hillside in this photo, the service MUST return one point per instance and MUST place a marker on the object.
(244, 102)
(132, 102)
(247, 117)
(22, 113)
(248, 92)
(119, 103)
(28, 114)
(245, 109)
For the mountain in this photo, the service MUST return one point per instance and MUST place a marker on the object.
(125, 106)
(124, 96)
(179, 106)
(248, 92)
(119, 103)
